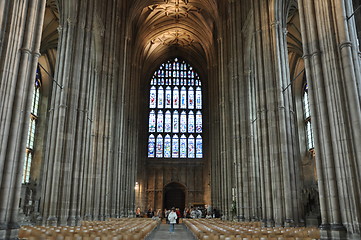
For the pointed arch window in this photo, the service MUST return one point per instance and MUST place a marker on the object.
(160, 121)
(153, 97)
(29, 154)
(167, 146)
(191, 147)
(151, 146)
(175, 93)
(199, 147)
(307, 118)
(152, 121)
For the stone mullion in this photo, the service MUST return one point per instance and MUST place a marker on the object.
(23, 65)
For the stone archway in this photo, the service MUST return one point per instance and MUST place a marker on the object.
(174, 196)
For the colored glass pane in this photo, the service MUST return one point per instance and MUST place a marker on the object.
(198, 98)
(168, 122)
(191, 122)
(167, 147)
(183, 147)
(175, 147)
(151, 146)
(183, 98)
(175, 97)
(198, 122)
(191, 147)
(153, 97)
(190, 98)
(183, 122)
(160, 122)
(168, 97)
(159, 150)
(175, 122)
(199, 147)
(152, 121)
(160, 97)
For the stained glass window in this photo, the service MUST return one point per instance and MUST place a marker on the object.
(151, 145)
(30, 143)
(153, 97)
(183, 97)
(160, 97)
(168, 122)
(175, 147)
(191, 147)
(199, 122)
(175, 91)
(175, 122)
(190, 98)
(183, 122)
(183, 146)
(168, 98)
(152, 121)
(199, 147)
(191, 122)
(167, 146)
(160, 121)
(199, 98)
(159, 146)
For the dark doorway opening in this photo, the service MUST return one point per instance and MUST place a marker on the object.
(174, 196)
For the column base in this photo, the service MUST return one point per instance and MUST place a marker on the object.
(52, 221)
(10, 231)
(333, 231)
(289, 223)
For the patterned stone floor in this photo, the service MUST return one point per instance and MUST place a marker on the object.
(162, 233)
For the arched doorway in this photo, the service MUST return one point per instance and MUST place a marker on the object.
(174, 196)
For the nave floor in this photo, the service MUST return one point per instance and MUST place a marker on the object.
(162, 233)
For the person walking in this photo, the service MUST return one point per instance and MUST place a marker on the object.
(172, 217)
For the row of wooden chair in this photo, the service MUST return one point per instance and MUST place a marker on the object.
(113, 229)
(210, 229)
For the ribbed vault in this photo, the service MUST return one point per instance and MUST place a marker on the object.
(185, 25)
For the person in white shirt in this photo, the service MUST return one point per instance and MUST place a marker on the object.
(172, 217)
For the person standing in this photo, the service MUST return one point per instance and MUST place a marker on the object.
(172, 217)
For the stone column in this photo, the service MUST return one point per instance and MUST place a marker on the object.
(333, 73)
(21, 26)
(68, 119)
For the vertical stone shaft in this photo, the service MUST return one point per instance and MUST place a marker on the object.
(333, 73)
(18, 61)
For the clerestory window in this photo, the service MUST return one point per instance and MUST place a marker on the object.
(307, 118)
(29, 154)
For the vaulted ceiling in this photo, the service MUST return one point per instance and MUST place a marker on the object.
(183, 24)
